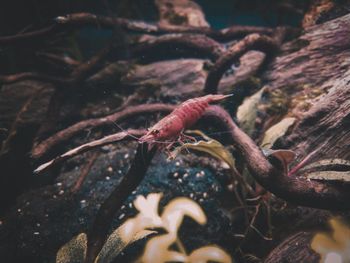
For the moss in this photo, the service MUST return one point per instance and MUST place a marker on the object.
(292, 101)
(277, 102)
(175, 19)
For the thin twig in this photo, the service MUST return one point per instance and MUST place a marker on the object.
(64, 61)
(268, 217)
(19, 38)
(12, 132)
(303, 162)
(8, 79)
(98, 233)
(46, 146)
(241, 203)
(251, 222)
(89, 146)
(83, 70)
(85, 171)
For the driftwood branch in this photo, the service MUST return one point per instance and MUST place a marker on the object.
(83, 70)
(195, 41)
(46, 146)
(296, 190)
(63, 61)
(158, 48)
(8, 79)
(251, 42)
(296, 248)
(79, 72)
(37, 34)
(193, 45)
(78, 20)
(87, 19)
(89, 146)
(112, 204)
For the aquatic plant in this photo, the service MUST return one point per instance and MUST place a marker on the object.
(158, 248)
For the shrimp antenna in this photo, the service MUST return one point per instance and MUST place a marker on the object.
(134, 137)
(119, 127)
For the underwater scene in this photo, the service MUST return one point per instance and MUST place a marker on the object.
(169, 131)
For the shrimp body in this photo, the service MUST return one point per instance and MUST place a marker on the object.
(170, 128)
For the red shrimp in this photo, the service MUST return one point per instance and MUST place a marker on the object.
(169, 129)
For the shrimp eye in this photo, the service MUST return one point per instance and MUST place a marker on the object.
(155, 132)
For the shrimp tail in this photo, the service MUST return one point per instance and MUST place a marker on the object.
(216, 97)
(192, 110)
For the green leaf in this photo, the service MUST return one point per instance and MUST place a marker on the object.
(276, 131)
(74, 251)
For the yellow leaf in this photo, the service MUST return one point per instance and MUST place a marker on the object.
(157, 250)
(175, 211)
(341, 232)
(322, 243)
(147, 217)
(335, 246)
(247, 112)
(211, 146)
(209, 254)
(276, 131)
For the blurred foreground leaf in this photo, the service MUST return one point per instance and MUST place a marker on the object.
(247, 112)
(209, 253)
(115, 245)
(74, 251)
(333, 247)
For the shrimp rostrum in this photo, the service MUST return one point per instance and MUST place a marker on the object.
(169, 130)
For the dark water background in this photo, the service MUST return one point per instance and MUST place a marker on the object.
(19, 15)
